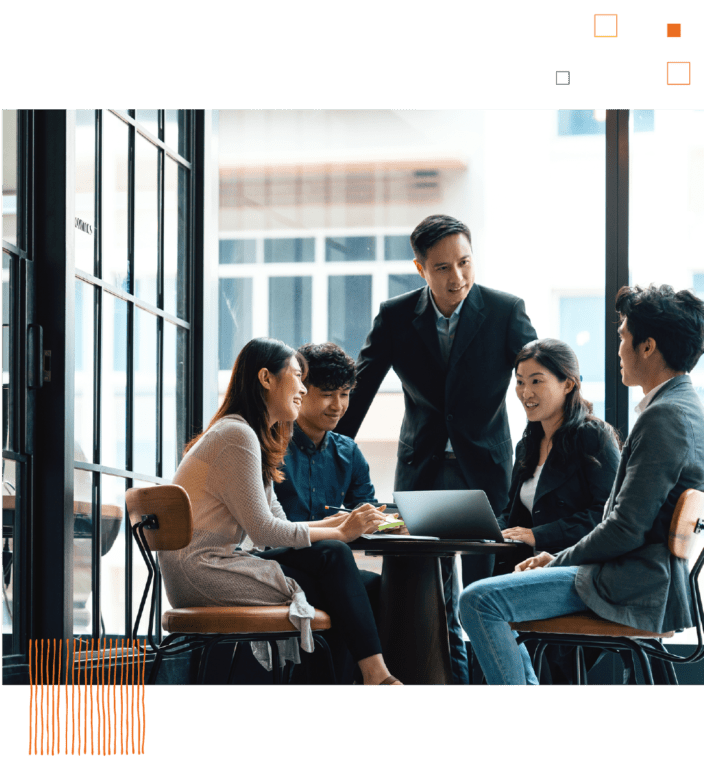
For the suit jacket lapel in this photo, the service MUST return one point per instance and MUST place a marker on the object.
(424, 323)
(626, 450)
(552, 477)
(673, 382)
(472, 316)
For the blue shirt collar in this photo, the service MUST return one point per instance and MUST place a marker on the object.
(439, 314)
(301, 439)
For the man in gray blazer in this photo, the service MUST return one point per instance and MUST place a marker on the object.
(622, 570)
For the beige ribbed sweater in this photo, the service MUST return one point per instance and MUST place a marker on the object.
(222, 474)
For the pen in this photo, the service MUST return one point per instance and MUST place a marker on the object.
(341, 509)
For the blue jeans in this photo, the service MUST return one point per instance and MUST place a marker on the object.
(487, 606)
(458, 650)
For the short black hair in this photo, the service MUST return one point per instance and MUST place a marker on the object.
(329, 366)
(434, 228)
(674, 319)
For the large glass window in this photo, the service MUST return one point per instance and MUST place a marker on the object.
(290, 309)
(543, 231)
(235, 326)
(10, 469)
(241, 252)
(19, 371)
(132, 333)
(582, 327)
(286, 249)
(350, 249)
(349, 311)
(666, 216)
(9, 176)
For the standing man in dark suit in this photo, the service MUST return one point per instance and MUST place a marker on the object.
(453, 345)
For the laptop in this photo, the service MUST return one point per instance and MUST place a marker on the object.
(459, 515)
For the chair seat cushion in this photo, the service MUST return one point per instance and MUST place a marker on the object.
(233, 620)
(584, 623)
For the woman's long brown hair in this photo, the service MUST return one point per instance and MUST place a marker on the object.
(245, 396)
(559, 358)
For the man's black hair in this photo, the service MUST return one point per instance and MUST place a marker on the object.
(674, 320)
(433, 229)
(329, 366)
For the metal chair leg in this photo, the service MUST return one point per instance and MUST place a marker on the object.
(663, 669)
(582, 665)
(577, 653)
(670, 672)
(203, 664)
(236, 652)
(155, 667)
(645, 664)
(323, 643)
(539, 654)
(275, 667)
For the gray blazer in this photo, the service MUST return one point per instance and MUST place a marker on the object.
(626, 572)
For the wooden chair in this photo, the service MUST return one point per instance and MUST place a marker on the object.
(161, 520)
(579, 630)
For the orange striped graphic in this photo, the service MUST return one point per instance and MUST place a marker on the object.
(50, 711)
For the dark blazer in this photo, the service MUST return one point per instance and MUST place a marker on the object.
(626, 572)
(569, 500)
(464, 400)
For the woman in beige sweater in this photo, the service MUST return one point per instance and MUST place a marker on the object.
(228, 472)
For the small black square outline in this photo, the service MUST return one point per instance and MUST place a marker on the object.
(562, 72)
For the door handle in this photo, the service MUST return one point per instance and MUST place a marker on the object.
(35, 356)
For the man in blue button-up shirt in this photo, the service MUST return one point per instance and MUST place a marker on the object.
(323, 468)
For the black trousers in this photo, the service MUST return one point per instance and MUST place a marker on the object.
(328, 574)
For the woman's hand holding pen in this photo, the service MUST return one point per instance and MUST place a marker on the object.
(364, 519)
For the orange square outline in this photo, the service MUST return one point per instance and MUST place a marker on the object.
(688, 63)
(674, 28)
(605, 14)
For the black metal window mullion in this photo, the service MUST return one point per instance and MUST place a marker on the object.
(22, 545)
(96, 552)
(131, 289)
(129, 405)
(128, 570)
(161, 196)
(186, 285)
(96, 479)
(98, 213)
(616, 262)
(98, 294)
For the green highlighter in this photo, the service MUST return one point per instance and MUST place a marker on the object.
(395, 523)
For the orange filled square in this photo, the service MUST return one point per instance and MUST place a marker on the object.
(674, 30)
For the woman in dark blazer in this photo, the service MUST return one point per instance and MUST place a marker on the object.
(565, 466)
(566, 462)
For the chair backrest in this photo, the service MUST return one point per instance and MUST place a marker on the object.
(171, 507)
(686, 539)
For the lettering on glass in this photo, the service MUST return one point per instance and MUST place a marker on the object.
(84, 226)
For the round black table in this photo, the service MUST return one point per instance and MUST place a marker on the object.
(412, 621)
